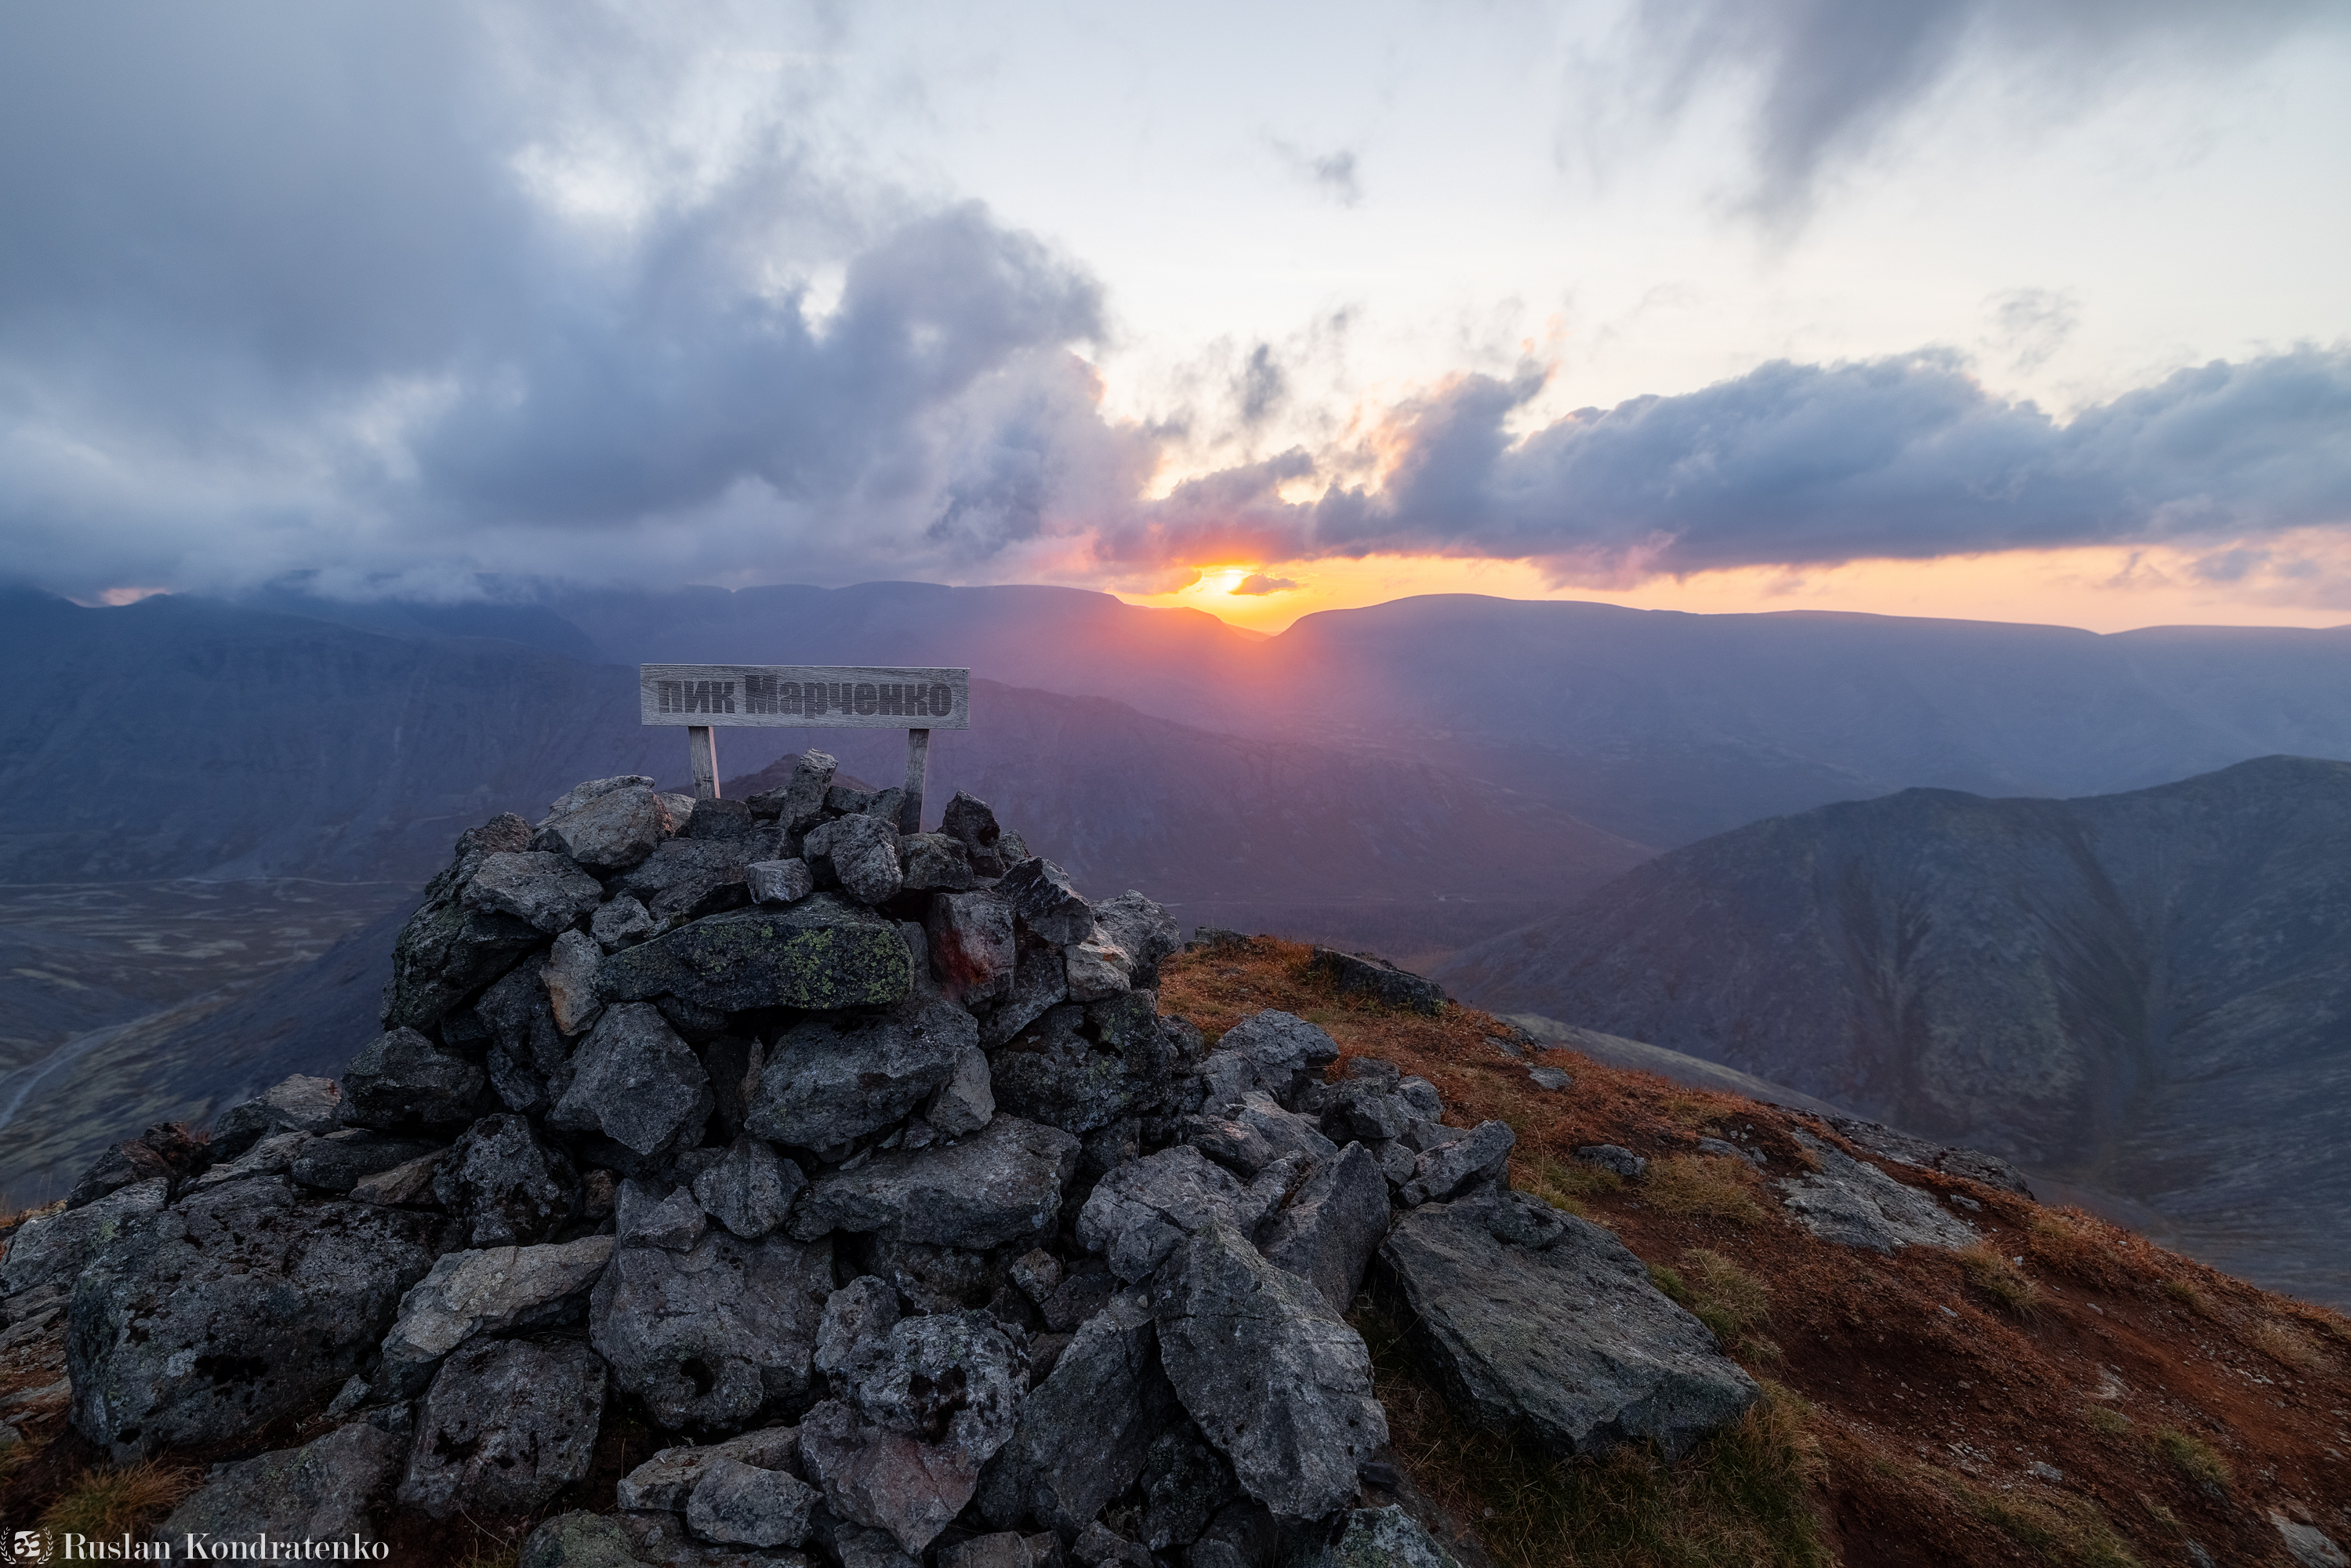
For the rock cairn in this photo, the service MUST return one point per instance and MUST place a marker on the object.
(863, 1165)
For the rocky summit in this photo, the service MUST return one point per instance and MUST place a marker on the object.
(862, 1171)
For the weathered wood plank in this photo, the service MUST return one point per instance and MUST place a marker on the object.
(918, 754)
(806, 697)
(702, 753)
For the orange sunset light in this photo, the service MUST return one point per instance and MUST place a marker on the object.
(2101, 588)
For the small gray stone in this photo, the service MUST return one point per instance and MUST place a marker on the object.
(749, 1191)
(634, 1080)
(492, 1291)
(1141, 930)
(666, 1480)
(778, 882)
(1040, 982)
(690, 877)
(1613, 1157)
(545, 890)
(530, 1059)
(1553, 1078)
(966, 1103)
(981, 1191)
(1005, 1549)
(818, 954)
(1365, 974)
(1482, 1156)
(1284, 1051)
(408, 1185)
(737, 1504)
(580, 794)
(2307, 1544)
(1037, 1273)
(1097, 968)
(1384, 1538)
(1098, 1546)
(323, 1491)
(969, 818)
(447, 951)
(1044, 901)
(610, 831)
(270, 1157)
(1423, 1097)
(1364, 1110)
(1184, 1481)
(507, 1424)
(569, 975)
(404, 1083)
(510, 1188)
(1234, 1329)
(1331, 1228)
(622, 922)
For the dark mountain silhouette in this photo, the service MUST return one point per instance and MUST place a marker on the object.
(2143, 993)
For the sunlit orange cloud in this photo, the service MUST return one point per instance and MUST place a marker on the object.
(2305, 581)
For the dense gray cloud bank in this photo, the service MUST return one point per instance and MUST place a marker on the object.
(292, 286)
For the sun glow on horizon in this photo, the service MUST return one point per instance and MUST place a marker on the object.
(2305, 582)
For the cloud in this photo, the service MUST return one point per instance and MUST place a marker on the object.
(1256, 583)
(1334, 173)
(2031, 324)
(1827, 80)
(1906, 458)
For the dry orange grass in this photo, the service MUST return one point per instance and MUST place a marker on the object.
(105, 1505)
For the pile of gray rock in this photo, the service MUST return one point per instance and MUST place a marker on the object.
(863, 1166)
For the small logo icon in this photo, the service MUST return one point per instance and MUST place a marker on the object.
(30, 1546)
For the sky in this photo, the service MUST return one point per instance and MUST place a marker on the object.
(2017, 310)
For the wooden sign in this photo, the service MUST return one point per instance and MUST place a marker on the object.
(702, 698)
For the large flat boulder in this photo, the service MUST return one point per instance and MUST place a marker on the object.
(1274, 1377)
(237, 1307)
(1333, 1226)
(1540, 1322)
(978, 1192)
(1854, 1204)
(490, 1290)
(822, 953)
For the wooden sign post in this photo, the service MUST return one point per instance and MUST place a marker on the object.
(703, 698)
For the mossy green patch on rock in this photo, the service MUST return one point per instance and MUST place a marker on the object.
(821, 953)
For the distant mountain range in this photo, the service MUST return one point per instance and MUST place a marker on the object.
(2144, 993)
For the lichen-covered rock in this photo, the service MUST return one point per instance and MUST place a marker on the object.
(709, 1338)
(1282, 1053)
(1541, 1322)
(821, 953)
(1141, 930)
(323, 1491)
(1044, 901)
(507, 1424)
(1082, 1433)
(1275, 1377)
(1097, 968)
(635, 1082)
(47, 1254)
(234, 1309)
(669, 1478)
(403, 1082)
(507, 1187)
(1384, 1538)
(610, 831)
(622, 922)
(831, 1079)
(981, 1191)
(492, 1291)
(543, 890)
(1332, 1226)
